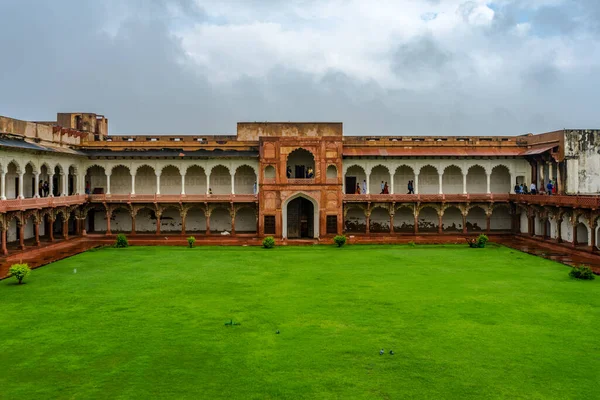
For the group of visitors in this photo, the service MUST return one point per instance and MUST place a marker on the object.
(44, 189)
(551, 188)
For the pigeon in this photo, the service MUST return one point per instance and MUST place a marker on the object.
(381, 352)
(391, 352)
(277, 331)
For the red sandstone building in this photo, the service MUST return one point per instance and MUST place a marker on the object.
(291, 181)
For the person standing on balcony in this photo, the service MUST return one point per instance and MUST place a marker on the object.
(533, 188)
(554, 185)
(364, 187)
(411, 187)
(357, 188)
(549, 188)
(289, 172)
(385, 190)
(41, 189)
(517, 189)
(382, 187)
(46, 188)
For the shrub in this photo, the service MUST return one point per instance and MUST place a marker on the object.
(412, 244)
(268, 242)
(582, 272)
(19, 271)
(191, 240)
(482, 240)
(339, 240)
(121, 241)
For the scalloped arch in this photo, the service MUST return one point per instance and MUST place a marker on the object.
(453, 166)
(220, 165)
(403, 166)
(428, 165)
(162, 169)
(246, 165)
(138, 167)
(120, 165)
(477, 166)
(380, 165)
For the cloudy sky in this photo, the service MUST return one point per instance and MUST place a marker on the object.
(404, 67)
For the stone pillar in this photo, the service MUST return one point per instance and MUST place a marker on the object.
(158, 184)
(65, 228)
(233, 183)
(464, 229)
(559, 185)
(183, 184)
(391, 183)
(3, 184)
(488, 178)
(574, 244)
(540, 186)
(464, 183)
(36, 228)
(108, 183)
(391, 223)
(416, 184)
(77, 226)
(416, 228)
(440, 222)
(51, 229)
(132, 223)
(512, 184)
(36, 190)
(592, 246)
(232, 222)
(207, 215)
(132, 184)
(157, 223)
(488, 222)
(559, 230)
(22, 236)
(21, 175)
(368, 182)
(4, 249)
(208, 183)
(65, 184)
(368, 215)
(108, 215)
(441, 179)
(183, 217)
(51, 185)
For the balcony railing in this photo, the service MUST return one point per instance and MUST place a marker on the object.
(558, 201)
(41, 202)
(171, 198)
(409, 198)
(301, 181)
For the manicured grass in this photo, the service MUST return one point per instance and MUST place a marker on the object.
(150, 323)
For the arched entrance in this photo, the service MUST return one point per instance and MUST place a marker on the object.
(300, 217)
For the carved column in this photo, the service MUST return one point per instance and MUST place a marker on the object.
(65, 184)
(391, 183)
(36, 189)
(158, 183)
(21, 175)
(4, 249)
(233, 183)
(368, 215)
(232, 212)
(51, 229)
(132, 184)
(559, 230)
(22, 236)
(416, 228)
(65, 228)
(513, 182)
(133, 213)
(108, 215)
(36, 228)
(440, 222)
(51, 185)
(559, 184)
(207, 214)
(441, 180)
(416, 184)
(464, 217)
(391, 223)
(183, 218)
(158, 215)
(592, 246)
(488, 179)
(3, 185)
(208, 182)
(488, 222)
(574, 223)
(464, 183)
(183, 184)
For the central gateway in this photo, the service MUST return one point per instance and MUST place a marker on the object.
(300, 218)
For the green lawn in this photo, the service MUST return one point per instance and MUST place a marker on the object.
(149, 322)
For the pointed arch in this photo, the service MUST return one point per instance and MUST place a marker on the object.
(315, 213)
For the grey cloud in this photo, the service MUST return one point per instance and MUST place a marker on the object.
(58, 58)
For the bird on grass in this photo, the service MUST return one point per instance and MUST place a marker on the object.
(277, 331)
(381, 352)
(391, 352)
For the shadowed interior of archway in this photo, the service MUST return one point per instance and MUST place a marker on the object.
(300, 218)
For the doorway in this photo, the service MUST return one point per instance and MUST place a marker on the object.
(300, 219)
(350, 185)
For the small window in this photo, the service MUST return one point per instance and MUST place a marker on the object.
(269, 172)
(332, 224)
(269, 224)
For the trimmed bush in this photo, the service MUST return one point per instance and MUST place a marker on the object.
(19, 271)
(121, 241)
(582, 272)
(268, 242)
(412, 244)
(482, 240)
(191, 240)
(339, 240)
